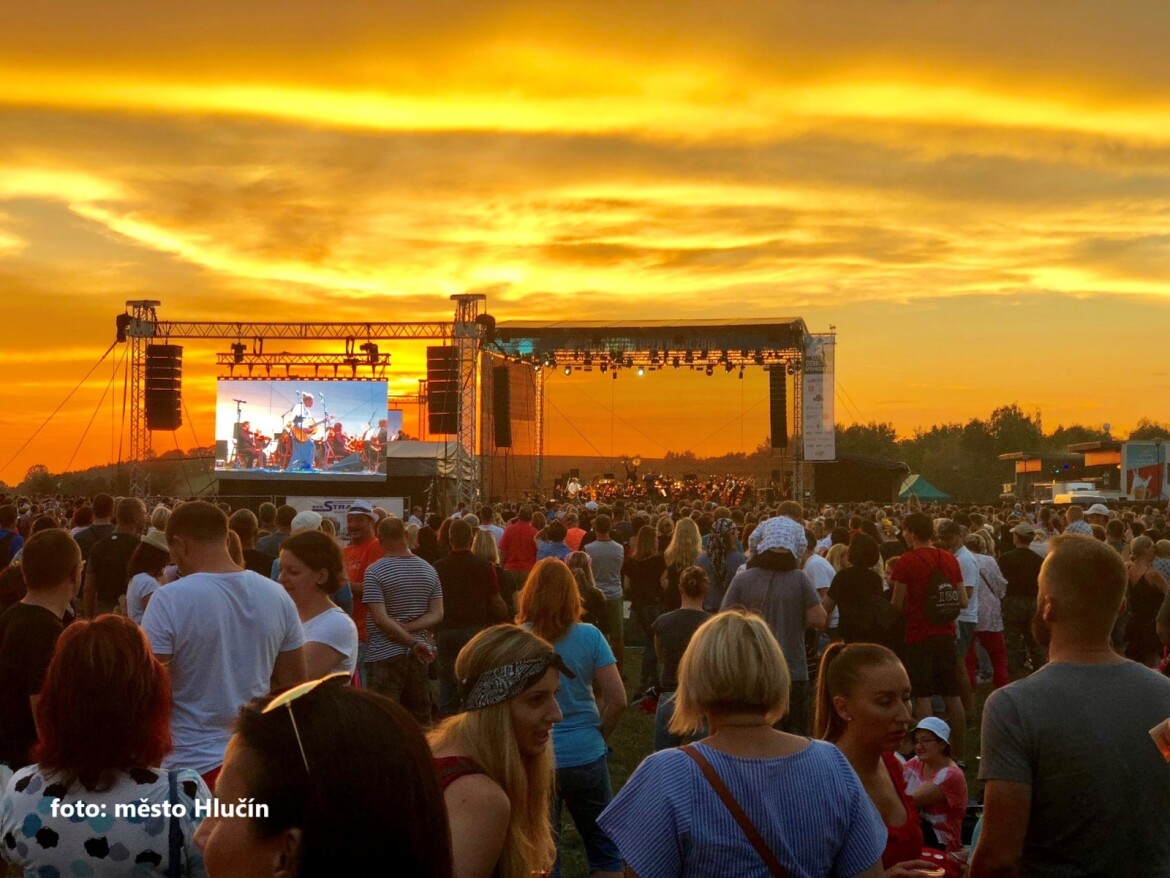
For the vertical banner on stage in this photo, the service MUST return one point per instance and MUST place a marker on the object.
(817, 404)
(1143, 470)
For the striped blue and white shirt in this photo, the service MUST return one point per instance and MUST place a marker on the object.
(406, 585)
(809, 807)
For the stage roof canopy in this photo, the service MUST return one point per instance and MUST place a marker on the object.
(653, 343)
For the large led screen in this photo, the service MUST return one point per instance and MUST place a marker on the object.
(302, 429)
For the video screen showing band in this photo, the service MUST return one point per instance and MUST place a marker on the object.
(303, 428)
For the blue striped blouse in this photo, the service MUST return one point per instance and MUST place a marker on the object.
(809, 807)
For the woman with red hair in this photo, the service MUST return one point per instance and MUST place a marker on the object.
(104, 722)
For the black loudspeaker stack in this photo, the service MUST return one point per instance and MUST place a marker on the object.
(502, 406)
(164, 380)
(778, 385)
(443, 389)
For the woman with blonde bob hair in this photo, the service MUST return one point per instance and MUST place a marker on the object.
(550, 607)
(747, 794)
(493, 761)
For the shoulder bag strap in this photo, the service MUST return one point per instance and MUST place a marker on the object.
(175, 833)
(745, 823)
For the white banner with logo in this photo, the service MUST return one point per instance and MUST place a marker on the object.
(336, 507)
(817, 429)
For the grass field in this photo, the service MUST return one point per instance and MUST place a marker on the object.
(633, 741)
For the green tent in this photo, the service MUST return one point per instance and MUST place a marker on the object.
(917, 486)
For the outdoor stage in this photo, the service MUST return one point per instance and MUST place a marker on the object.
(484, 392)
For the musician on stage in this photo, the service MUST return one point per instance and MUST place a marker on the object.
(376, 445)
(247, 448)
(303, 422)
(337, 442)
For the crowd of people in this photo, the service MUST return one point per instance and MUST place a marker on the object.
(188, 689)
(727, 490)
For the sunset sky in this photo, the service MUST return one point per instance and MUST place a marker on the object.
(976, 195)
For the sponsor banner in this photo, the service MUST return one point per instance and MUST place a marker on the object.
(817, 428)
(1143, 470)
(336, 507)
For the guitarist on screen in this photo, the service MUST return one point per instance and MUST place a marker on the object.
(301, 429)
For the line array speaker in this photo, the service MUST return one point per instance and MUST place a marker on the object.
(778, 400)
(443, 389)
(164, 380)
(502, 406)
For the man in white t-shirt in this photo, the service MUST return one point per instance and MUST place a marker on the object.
(820, 572)
(950, 537)
(229, 635)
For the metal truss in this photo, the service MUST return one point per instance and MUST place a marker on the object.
(469, 332)
(285, 363)
(304, 331)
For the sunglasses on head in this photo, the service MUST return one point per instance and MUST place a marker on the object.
(286, 699)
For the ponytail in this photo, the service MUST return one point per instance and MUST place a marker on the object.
(827, 726)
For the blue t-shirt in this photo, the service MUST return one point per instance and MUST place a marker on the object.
(559, 550)
(577, 738)
(810, 808)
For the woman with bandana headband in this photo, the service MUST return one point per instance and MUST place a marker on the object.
(494, 761)
(721, 560)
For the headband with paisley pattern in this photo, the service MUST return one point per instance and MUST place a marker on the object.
(497, 685)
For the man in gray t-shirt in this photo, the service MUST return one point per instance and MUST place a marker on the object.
(606, 557)
(1074, 783)
(789, 603)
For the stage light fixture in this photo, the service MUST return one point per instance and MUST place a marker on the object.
(710, 369)
(568, 370)
(727, 367)
(614, 374)
(536, 367)
(674, 362)
(690, 357)
(604, 367)
(238, 352)
(703, 354)
(741, 373)
(641, 371)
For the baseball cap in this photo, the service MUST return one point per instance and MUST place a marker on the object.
(936, 726)
(362, 507)
(1097, 509)
(307, 520)
(591, 505)
(1024, 529)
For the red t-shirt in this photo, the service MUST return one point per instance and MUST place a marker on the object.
(913, 569)
(357, 558)
(902, 842)
(519, 546)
